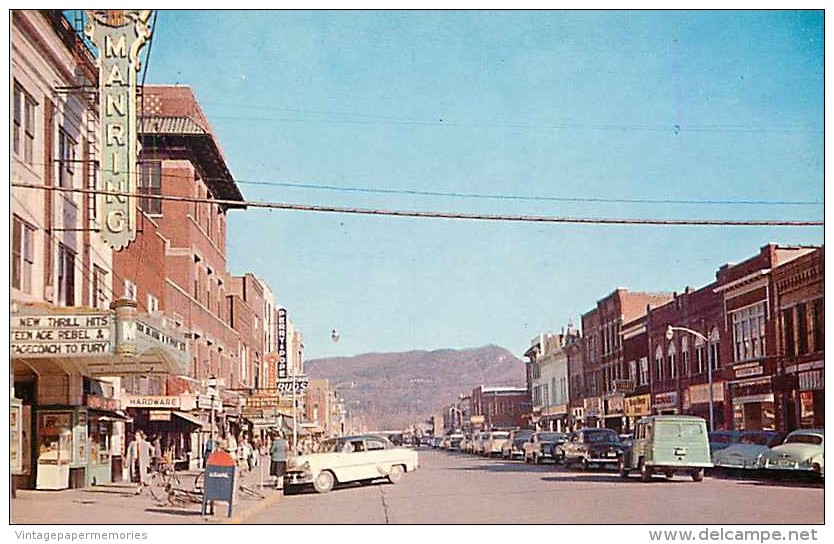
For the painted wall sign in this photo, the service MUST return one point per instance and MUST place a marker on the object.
(118, 35)
(60, 335)
(297, 383)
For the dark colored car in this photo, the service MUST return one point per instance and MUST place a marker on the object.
(593, 446)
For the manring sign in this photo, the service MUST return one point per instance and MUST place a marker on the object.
(118, 35)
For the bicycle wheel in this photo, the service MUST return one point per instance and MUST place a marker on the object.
(158, 486)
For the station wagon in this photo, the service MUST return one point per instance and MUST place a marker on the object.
(667, 445)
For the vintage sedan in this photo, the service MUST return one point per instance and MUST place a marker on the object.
(514, 447)
(745, 454)
(592, 446)
(359, 458)
(544, 445)
(495, 441)
(802, 451)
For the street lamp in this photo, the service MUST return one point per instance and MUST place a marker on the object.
(212, 390)
(670, 332)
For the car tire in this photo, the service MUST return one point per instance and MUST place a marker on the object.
(395, 475)
(622, 468)
(324, 482)
(536, 459)
(670, 474)
(698, 475)
(584, 463)
(645, 472)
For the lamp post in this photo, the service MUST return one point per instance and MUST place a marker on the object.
(212, 390)
(670, 333)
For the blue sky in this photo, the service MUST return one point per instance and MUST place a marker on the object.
(552, 110)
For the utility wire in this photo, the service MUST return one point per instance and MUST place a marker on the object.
(444, 215)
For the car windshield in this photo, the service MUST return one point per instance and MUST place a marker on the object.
(500, 435)
(681, 429)
(551, 437)
(601, 436)
(804, 439)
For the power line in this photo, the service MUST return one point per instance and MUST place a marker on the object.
(445, 215)
(523, 198)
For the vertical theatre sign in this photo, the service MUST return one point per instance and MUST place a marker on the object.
(282, 343)
(118, 35)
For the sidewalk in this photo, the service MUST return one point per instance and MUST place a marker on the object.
(117, 503)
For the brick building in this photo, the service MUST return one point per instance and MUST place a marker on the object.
(500, 407)
(604, 363)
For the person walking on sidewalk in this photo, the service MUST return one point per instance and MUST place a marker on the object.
(278, 460)
(138, 460)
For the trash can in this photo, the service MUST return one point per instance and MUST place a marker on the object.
(219, 481)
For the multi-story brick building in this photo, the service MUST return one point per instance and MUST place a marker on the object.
(496, 407)
(604, 363)
(798, 292)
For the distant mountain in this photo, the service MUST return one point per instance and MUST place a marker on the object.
(394, 390)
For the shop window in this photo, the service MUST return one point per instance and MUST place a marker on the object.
(818, 325)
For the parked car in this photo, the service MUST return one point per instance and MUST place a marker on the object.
(802, 451)
(495, 441)
(718, 440)
(478, 443)
(668, 445)
(514, 447)
(435, 442)
(359, 458)
(544, 445)
(454, 442)
(745, 454)
(592, 446)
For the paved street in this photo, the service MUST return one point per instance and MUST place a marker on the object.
(452, 488)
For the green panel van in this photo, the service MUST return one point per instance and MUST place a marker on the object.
(667, 445)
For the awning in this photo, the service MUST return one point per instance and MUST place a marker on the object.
(191, 419)
(118, 415)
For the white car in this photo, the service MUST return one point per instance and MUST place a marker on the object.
(802, 451)
(360, 458)
(495, 442)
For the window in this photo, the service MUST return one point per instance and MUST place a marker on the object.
(673, 368)
(658, 364)
(700, 364)
(632, 371)
(787, 324)
(714, 352)
(801, 328)
(22, 255)
(153, 304)
(644, 371)
(99, 297)
(66, 276)
(23, 132)
(150, 184)
(130, 290)
(685, 355)
(818, 325)
(749, 332)
(66, 158)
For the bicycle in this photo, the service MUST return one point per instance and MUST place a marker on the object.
(162, 480)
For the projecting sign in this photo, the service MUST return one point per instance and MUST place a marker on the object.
(298, 384)
(119, 35)
(282, 343)
(60, 335)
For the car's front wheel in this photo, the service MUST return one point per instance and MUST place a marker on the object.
(395, 476)
(645, 472)
(324, 481)
(698, 475)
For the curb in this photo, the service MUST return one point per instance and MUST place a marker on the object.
(261, 505)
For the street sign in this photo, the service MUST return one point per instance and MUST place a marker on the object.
(293, 383)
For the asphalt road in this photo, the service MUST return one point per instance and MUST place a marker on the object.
(454, 488)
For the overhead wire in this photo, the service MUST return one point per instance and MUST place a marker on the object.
(445, 215)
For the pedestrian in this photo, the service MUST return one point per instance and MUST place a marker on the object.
(245, 454)
(156, 459)
(231, 445)
(211, 445)
(278, 460)
(256, 452)
(138, 460)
